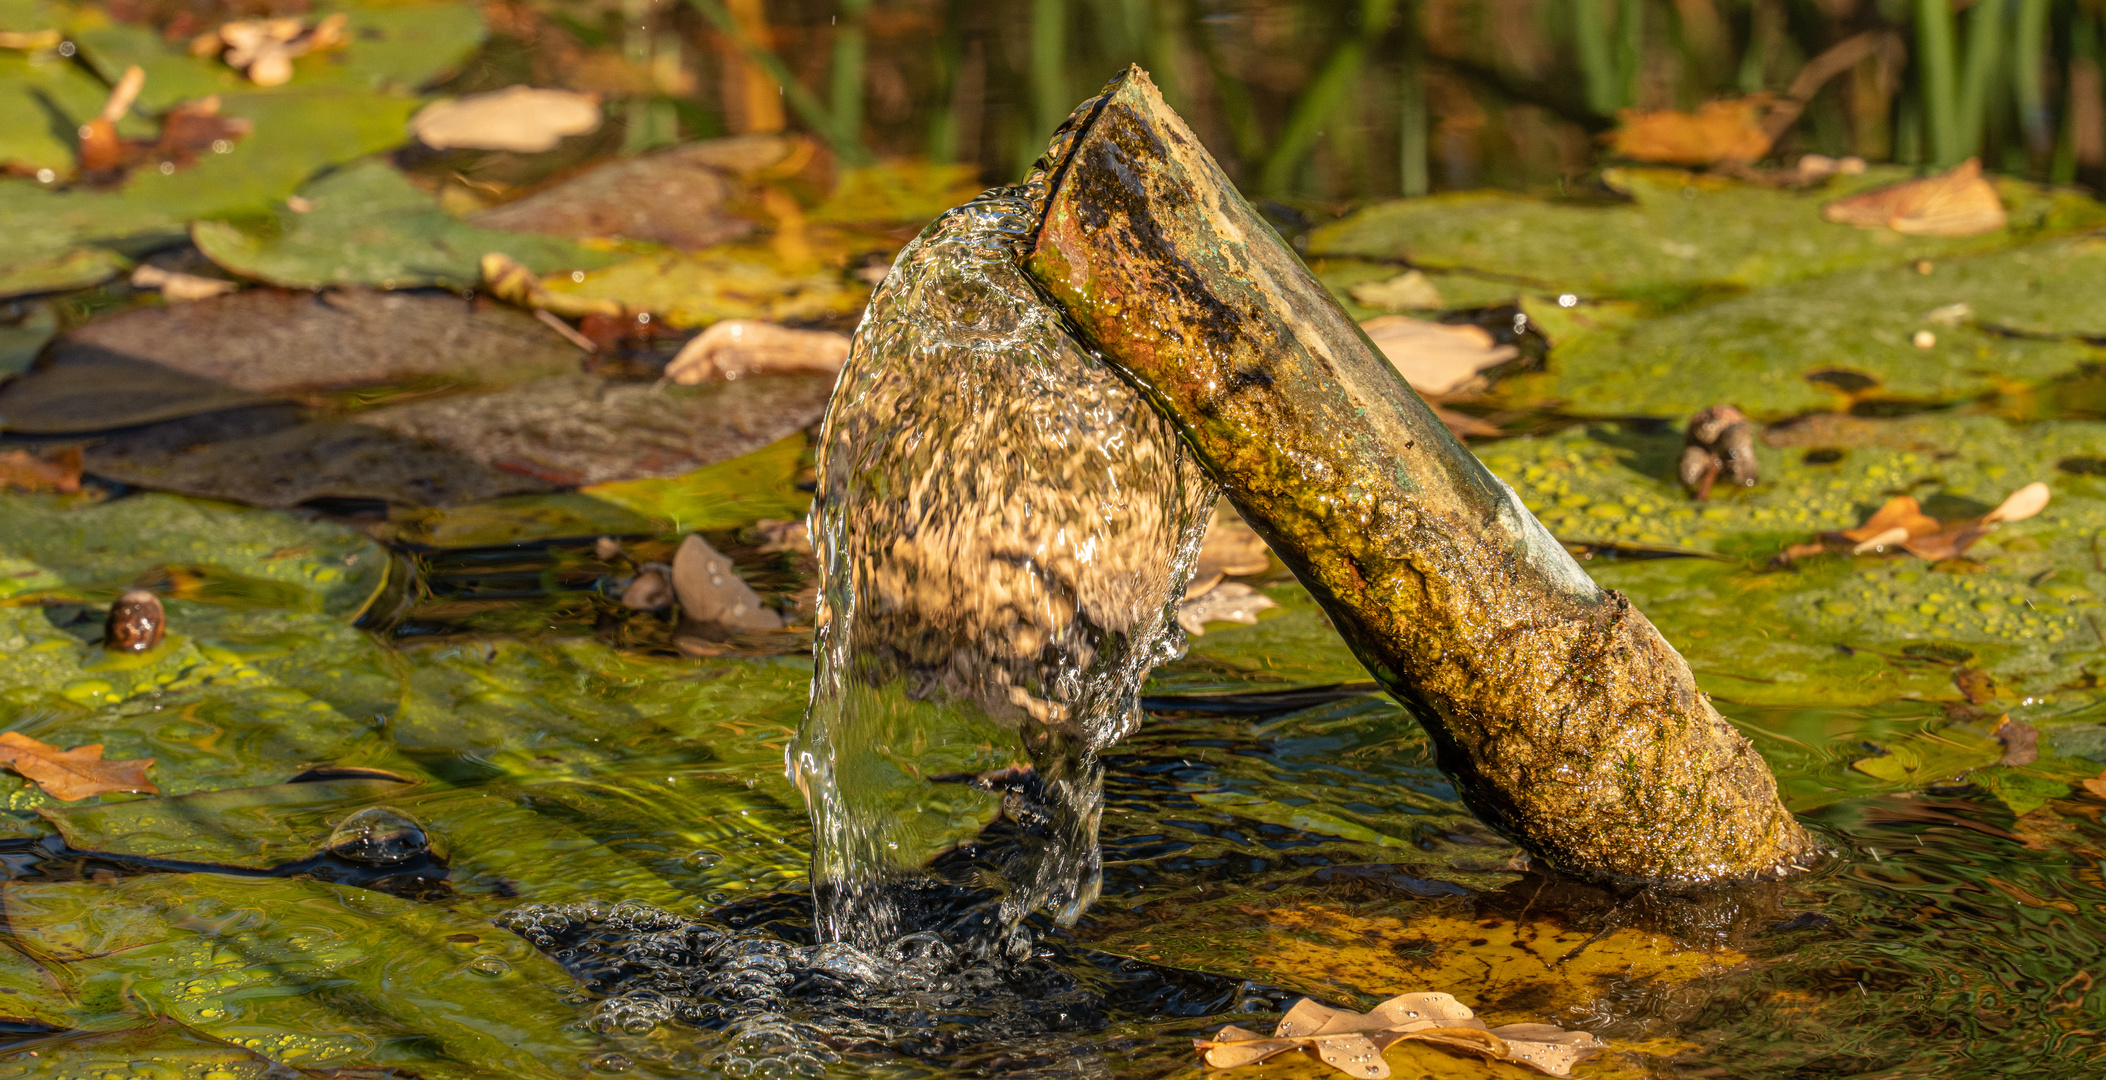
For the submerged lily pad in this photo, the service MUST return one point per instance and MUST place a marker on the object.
(255, 828)
(306, 973)
(760, 484)
(370, 226)
(1681, 234)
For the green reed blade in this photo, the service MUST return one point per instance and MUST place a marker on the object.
(1935, 54)
(1985, 48)
(806, 104)
(1590, 40)
(847, 73)
(1412, 126)
(2029, 66)
(1321, 98)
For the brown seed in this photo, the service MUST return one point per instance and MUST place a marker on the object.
(136, 623)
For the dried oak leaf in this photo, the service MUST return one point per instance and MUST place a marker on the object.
(1353, 1042)
(57, 471)
(518, 118)
(73, 774)
(1955, 203)
(1719, 131)
(1436, 358)
(1900, 522)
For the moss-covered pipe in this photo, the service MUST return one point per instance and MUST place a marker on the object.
(1565, 719)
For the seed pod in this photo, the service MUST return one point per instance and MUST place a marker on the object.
(136, 623)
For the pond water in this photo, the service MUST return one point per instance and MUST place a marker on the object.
(439, 792)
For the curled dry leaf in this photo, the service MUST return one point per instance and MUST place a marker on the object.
(1436, 358)
(652, 590)
(1718, 132)
(738, 347)
(1955, 203)
(711, 591)
(57, 471)
(1353, 1042)
(1720, 441)
(1229, 601)
(518, 118)
(264, 49)
(178, 287)
(2097, 785)
(1900, 522)
(73, 774)
(1408, 291)
(136, 623)
(507, 280)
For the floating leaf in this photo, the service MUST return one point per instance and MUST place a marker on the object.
(711, 591)
(759, 484)
(1436, 358)
(682, 197)
(518, 118)
(1680, 236)
(1719, 131)
(1955, 203)
(254, 828)
(1229, 601)
(736, 348)
(724, 282)
(370, 226)
(1353, 1042)
(73, 774)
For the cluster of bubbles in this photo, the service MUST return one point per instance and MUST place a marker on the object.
(780, 1009)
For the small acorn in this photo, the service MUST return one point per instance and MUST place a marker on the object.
(136, 623)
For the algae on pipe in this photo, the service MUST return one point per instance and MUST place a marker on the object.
(1565, 719)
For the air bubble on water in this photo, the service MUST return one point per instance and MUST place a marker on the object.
(378, 836)
(492, 966)
(702, 859)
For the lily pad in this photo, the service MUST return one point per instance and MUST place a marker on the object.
(514, 520)
(270, 342)
(1971, 327)
(370, 226)
(58, 271)
(266, 458)
(23, 339)
(397, 48)
(582, 430)
(1840, 630)
(46, 98)
(1679, 236)
(161, 1050)
(295, 134)
(724, 282)
(680, 198)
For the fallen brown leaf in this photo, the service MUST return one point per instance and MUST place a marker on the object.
(711, 591)
(1719, 131)
(1353, 1042)
(735, 348)
(1436, 358)
(194, 128)
(264, 49)
(2097, 785)
(1955, 203)
(57, 471)
(103, 154)
(1227, 601)
(73, 774)
(178, 287)
(517, 118)
(1901, 523)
